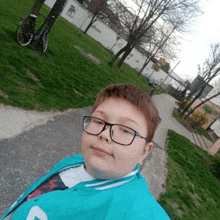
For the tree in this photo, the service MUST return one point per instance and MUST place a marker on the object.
(156, 48)
(161, 43)
(97, 9)
(192, 110)
(166, 67)
(149, 14)
(210, 69)
(80, 1)
(156, 67)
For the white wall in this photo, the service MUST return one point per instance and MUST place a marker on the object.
(216, 127)
(107, 37)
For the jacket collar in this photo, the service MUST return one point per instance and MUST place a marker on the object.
(103, 184)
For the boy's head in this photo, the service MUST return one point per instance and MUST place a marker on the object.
(114, 139)
(135, 96)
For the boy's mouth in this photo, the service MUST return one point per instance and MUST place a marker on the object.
(100, 150)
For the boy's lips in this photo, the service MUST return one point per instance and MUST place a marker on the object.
(100, 150)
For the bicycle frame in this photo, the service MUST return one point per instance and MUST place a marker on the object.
(40, 37)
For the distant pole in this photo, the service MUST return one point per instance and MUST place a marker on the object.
(151, 74)
(169, 74)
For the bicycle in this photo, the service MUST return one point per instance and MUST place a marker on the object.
(26, 34)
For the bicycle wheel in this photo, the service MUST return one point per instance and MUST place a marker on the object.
(44, 41)
(23, 34)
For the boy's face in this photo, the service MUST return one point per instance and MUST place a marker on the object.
(105, 159)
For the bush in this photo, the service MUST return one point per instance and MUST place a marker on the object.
(156, 67)
(198, 119)
(183, 103)
(208, 109)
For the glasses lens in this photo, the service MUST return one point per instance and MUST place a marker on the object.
(93, 125)
(122, 134)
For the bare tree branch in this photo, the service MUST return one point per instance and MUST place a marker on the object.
(210, 69)
(217, 94)
(151, 13)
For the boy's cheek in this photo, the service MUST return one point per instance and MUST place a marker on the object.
(84, 139)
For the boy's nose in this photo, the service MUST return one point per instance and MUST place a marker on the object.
(105, 135)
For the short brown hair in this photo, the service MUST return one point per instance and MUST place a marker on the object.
(137, 97)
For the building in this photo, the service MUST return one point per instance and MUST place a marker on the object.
(216, 127)
(198, 81)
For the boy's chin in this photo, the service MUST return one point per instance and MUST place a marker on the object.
(98, 173)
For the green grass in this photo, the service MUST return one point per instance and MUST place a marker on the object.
(62, 77)
(176, 115)
(192, 191)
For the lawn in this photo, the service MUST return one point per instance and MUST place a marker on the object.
(62, 77)
(193, 192)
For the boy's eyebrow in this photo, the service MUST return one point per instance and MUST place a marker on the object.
(128, 119)
(124, 118)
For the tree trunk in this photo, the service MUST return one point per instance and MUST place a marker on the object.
(188, 106)
(203, 85)
(118, 54)
(145, 64)
(54, 13)
(200, 105)
(126, 53)
(90, 23)
(196, 89)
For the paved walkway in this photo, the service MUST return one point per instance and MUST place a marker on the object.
(165, 104)
(155, 170)
(32, 142)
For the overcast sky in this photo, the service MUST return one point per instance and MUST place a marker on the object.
(196, 46)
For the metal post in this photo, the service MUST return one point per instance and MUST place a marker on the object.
(169, 74)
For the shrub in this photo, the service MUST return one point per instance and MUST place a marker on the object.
(198, 119)
(208, 109)
(166, 67)
(184, 102)
(156, 67)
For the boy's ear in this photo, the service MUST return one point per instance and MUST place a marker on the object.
(148, 147)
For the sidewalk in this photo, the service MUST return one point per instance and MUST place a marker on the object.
(14, 121)
(165, 104)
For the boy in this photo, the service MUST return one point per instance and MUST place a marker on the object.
(105, 182)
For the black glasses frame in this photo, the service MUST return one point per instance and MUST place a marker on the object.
(136, 134)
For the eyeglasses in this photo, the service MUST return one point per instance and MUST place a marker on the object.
(120, 134)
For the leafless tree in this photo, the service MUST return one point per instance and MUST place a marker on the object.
(209, 70)
(162, 45)
(192, 110)
(151, 13)
(97, 9)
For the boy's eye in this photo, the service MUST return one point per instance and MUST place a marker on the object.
(126, 130)
(96, 121)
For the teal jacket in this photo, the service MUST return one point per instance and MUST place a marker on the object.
(124, 198)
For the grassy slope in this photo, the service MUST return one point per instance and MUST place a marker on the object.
(64, 78)
(192, 191)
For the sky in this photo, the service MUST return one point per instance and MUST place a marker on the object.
(196, 45)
